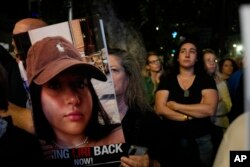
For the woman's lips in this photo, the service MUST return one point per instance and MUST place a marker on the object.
(74, 116)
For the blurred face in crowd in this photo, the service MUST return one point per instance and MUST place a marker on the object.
(227, 67)
(25, 25)
(187, 55)
(154, 63)
(210, 62)
(20, 27)
(119, 75)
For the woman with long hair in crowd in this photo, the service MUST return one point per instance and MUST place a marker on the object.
(186, 99)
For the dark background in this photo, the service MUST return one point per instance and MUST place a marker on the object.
(214, 23)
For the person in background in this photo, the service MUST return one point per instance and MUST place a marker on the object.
(151, 73)
(236, 89)
(186, 99)
(239, 60)
(17, 146)
(140, 124)
(21, 116)
(19, 93)
(67, 112)
(236, 138)
(227, 66)
(220, 118)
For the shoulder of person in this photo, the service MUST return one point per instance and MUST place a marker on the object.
(21, 117)
(222, 84)
(17, 134)
(239, 127)
(147, 78)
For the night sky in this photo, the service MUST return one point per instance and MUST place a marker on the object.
(216, 20)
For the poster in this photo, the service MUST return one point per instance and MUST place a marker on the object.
(106, 155)
(87, 35)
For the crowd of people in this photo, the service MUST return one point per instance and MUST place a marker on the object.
(176, 118)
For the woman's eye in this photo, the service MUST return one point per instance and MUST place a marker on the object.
(53, 85)
(114, 70)
(182, 51)
(81, 83)
(192, 51)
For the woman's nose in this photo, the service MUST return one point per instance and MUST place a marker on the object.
(73, 97)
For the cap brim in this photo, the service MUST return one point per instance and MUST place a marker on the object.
(52, 69)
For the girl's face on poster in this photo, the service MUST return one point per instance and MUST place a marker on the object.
(67, 103)
(187, 55)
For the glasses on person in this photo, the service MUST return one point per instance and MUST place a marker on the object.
(154, 62)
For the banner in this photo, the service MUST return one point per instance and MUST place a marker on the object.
(87, 35)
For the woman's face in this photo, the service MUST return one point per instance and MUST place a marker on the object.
(120, 78)
(154, 63)
(210, 62)
(227, 67)
(187, 55)
(67, 103)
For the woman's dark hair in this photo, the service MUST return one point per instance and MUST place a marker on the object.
(199, 65)
(98, 126)
(222, 61)
(3, 88)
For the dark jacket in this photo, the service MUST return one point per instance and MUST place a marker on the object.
(19, 148)
(143, 128)
(16, 93)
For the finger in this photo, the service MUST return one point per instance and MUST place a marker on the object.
(129, 162)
